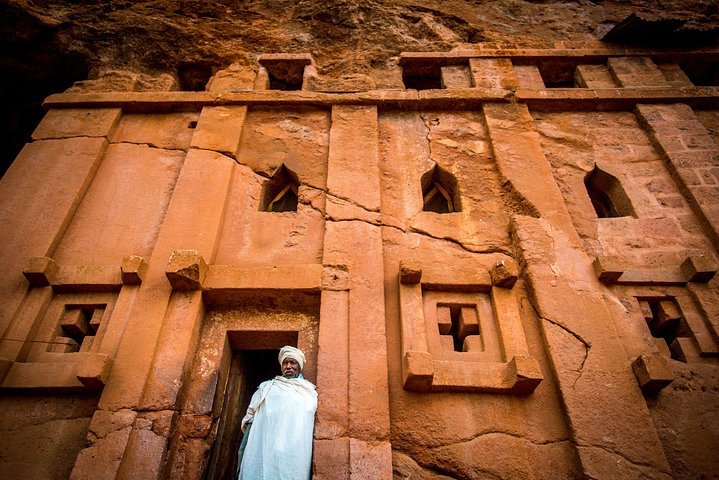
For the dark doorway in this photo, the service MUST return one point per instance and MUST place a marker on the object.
(248, 369)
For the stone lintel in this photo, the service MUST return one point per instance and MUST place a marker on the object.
(186, 270)
(88, 278)
(132, 269)
(458, 279)
(653, 277)
(301, 58)
(653, 372)
(43, 377)
(292, 277)
(699, 268)
(615, 99)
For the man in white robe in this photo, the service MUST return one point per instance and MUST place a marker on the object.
(279, 424)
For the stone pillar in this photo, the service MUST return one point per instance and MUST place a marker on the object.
(332, 445)
(36, 208)
(691, 156)
(493, 73)
(586, 352)
(593, 76)
(528, 77)
(636, 72)
(155, 351)
(351, 240)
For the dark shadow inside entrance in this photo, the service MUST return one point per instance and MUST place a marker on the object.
(248, 369)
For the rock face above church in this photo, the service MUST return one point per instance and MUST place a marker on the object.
(346, 36)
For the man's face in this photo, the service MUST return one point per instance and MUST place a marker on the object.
(290, 368)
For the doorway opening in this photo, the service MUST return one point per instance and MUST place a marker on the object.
(248, 368)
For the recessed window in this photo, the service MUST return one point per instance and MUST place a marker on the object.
(607, 195)
(281, 192)
(285, 72)
(421, 75)
(666, 321)
(439, 192)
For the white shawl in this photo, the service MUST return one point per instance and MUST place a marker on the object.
(282, 413)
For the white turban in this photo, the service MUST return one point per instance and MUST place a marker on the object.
(293, 353)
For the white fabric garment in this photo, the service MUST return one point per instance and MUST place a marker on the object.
(279, 446)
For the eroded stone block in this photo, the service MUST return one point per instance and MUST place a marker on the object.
(418, 371)
(608, 269)
(195, 426)
(40, 271)
(653, 372)
(335, 277)
(186, 270)
(528, 373)
(234, 78)
(94, 370)
(133, 268)
(699, 268)
(504, 274)
(410, 271)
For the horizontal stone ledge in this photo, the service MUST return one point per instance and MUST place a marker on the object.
(560, 99)
(86, 372)
(141, 102)
(540, 99)
(616, 270)
(583, 55)
(43, 271)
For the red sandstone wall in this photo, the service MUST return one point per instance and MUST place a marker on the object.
(41, 435)
(150, 223)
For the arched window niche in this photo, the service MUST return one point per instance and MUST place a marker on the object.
(440, 192)
(280, 192)
(607, 195)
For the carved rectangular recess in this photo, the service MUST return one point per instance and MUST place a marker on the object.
(462, 333)
(677, 323)
(64, 347)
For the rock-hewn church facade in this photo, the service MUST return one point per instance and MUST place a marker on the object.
(505, 270)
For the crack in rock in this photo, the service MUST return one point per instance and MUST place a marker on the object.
(499, 432)
(151, 145)
(640, 465)
(586, 344)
